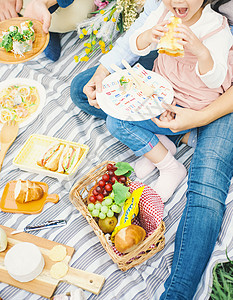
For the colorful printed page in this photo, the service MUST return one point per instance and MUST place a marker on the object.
(122, 99)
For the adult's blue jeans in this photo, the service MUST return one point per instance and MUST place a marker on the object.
(209, 179)
(208, 184)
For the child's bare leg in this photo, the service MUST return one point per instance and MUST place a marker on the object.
(171, 171)
(144, 166)
(185, 138)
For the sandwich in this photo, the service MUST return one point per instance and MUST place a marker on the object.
(68, 160)
(59, 158)
(51, 157)
(168, 44)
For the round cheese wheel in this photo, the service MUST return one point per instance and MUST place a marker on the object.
(24, 262)
(3, 240)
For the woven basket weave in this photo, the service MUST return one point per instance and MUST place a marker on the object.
(151, 245)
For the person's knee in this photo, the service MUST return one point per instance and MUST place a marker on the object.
(113, 125)
(209, 179)
(76, 89)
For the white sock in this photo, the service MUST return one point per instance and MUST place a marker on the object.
(144, 166)
(172, 173)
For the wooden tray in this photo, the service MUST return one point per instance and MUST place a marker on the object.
(40, 43)
(8, 203)
(44, 285)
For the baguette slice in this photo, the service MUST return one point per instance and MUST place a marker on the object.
(168, 44)
(26, 191)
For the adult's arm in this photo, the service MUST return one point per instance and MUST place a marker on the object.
(39, 10)
(10, 9)
(186, 118)
(121, 49)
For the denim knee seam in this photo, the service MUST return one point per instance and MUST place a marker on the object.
(148, 145)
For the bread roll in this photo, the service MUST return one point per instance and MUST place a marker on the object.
(26, 191)
(128, 238)
(168, 44)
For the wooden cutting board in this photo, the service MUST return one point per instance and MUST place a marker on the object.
(44, 285)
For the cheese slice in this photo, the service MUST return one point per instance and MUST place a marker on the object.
(57, 253)
(24, 262)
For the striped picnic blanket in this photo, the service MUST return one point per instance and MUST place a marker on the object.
(60, 118)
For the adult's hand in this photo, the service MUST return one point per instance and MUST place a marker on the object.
(38, 9)
(10, 9)
(95, 85)
(184, 118)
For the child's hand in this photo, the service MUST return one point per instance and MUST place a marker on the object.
(167, 116)
(189, 40)
(158, 31)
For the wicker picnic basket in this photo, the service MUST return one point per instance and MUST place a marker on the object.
(151, 245)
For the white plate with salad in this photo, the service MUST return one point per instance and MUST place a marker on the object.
(21, 99)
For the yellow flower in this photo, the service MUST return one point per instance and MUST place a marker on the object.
(114, 20)
(87, 50)
(86, 58)
(95, 31)
(84, 31)
(106, 19)
(93, 42)
(110, 47)
(103, 44)
(106, 51)
(100, 42)
(102, 12)
(76, 58)
(88, 45)
(81, 36)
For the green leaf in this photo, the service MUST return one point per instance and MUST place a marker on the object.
(7, 43)
(120, 192)
(120, 24)
(123, 168)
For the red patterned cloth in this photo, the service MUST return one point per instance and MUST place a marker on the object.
(150, 210)
(150, 207)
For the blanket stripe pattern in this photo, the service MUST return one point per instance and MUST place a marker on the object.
(60, 118)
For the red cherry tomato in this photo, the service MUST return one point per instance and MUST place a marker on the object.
(92, 199)
(105, 193)
(105, 177)
(122, 179)
(102, 183)
(111, 173)
(94, 192)
(99, 189)
(114, 179)
(108, 187)
(109, 167)
(100, 197)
